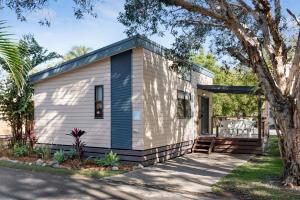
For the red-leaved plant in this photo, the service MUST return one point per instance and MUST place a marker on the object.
(78, 144)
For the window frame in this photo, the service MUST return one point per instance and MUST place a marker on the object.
(95, 101)
(189, 99)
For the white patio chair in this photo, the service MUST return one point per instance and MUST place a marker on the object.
(249, 127)
(238, 127)
(225, 127)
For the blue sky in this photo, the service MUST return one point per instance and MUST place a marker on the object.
(66, 31)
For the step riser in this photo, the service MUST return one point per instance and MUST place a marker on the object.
(227, 145)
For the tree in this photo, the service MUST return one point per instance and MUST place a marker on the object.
(76, 51)
(228, 104)
(10, 56)
(254, 34)
(16, 106)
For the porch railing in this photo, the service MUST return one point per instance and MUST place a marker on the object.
(236, 127)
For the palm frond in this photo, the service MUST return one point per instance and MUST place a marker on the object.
(11, 57)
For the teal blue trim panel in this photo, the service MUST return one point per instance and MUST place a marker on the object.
(105, 52)
(121, 105)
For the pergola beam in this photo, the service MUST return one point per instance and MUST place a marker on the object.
(229, 89)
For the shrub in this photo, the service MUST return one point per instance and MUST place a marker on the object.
(72, 153)
(78, 144)
(111, 159)
(59, 156)
(42, 152)
(31, 139)
(20, 150)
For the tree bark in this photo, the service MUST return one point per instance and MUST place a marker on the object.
(290, 145)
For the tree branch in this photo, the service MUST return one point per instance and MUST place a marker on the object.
(293, 80)
(192, 7)
(236, 53)
(264, 7)
(277, 12)
(293, 16)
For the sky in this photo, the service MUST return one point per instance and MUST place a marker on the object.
(66, 31)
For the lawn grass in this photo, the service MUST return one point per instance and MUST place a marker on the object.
(61, 171)
(259, 178)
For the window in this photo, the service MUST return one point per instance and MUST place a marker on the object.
(183, 104)
(99, 101)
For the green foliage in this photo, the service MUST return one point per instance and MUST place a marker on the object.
(111, 159)
(42, 152)
(20, 150)
(230, 104)
(72, 153)
(76, 51)
(59, 156)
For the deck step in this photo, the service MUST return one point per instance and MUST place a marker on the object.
(227, 145)
(203, 145)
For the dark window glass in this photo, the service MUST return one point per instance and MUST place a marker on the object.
(183, 104)
(99, 101)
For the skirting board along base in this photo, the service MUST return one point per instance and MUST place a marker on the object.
(144, 157)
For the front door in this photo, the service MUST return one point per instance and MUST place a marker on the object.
(204, 114)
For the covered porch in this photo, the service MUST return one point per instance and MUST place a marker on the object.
(232, 134)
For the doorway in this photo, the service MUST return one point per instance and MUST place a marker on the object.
(204, 115)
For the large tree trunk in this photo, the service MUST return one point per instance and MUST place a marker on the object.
(289, 140)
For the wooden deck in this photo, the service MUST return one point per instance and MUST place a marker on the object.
(228, 145)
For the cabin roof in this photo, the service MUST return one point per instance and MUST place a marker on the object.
(108, 51)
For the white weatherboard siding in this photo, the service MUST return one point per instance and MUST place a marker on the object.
(4, 128)
(161, 125)
(67, 101)
(137, 100)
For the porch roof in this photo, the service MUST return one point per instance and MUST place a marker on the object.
(230, 89)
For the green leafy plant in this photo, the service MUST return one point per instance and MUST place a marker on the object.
(59, 156)
(42, 152)
(72, 153)
(111, 159)
(20, 150)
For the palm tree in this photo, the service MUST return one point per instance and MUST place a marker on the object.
(10, 57)
(76, 51)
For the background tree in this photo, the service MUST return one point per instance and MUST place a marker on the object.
(76, 51)
(16, 106)
(254, 34)
(230, 104)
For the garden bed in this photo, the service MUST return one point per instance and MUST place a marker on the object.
(21, 158)
(26, 154)
(68, 164)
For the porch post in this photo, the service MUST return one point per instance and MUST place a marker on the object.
(259, 116)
